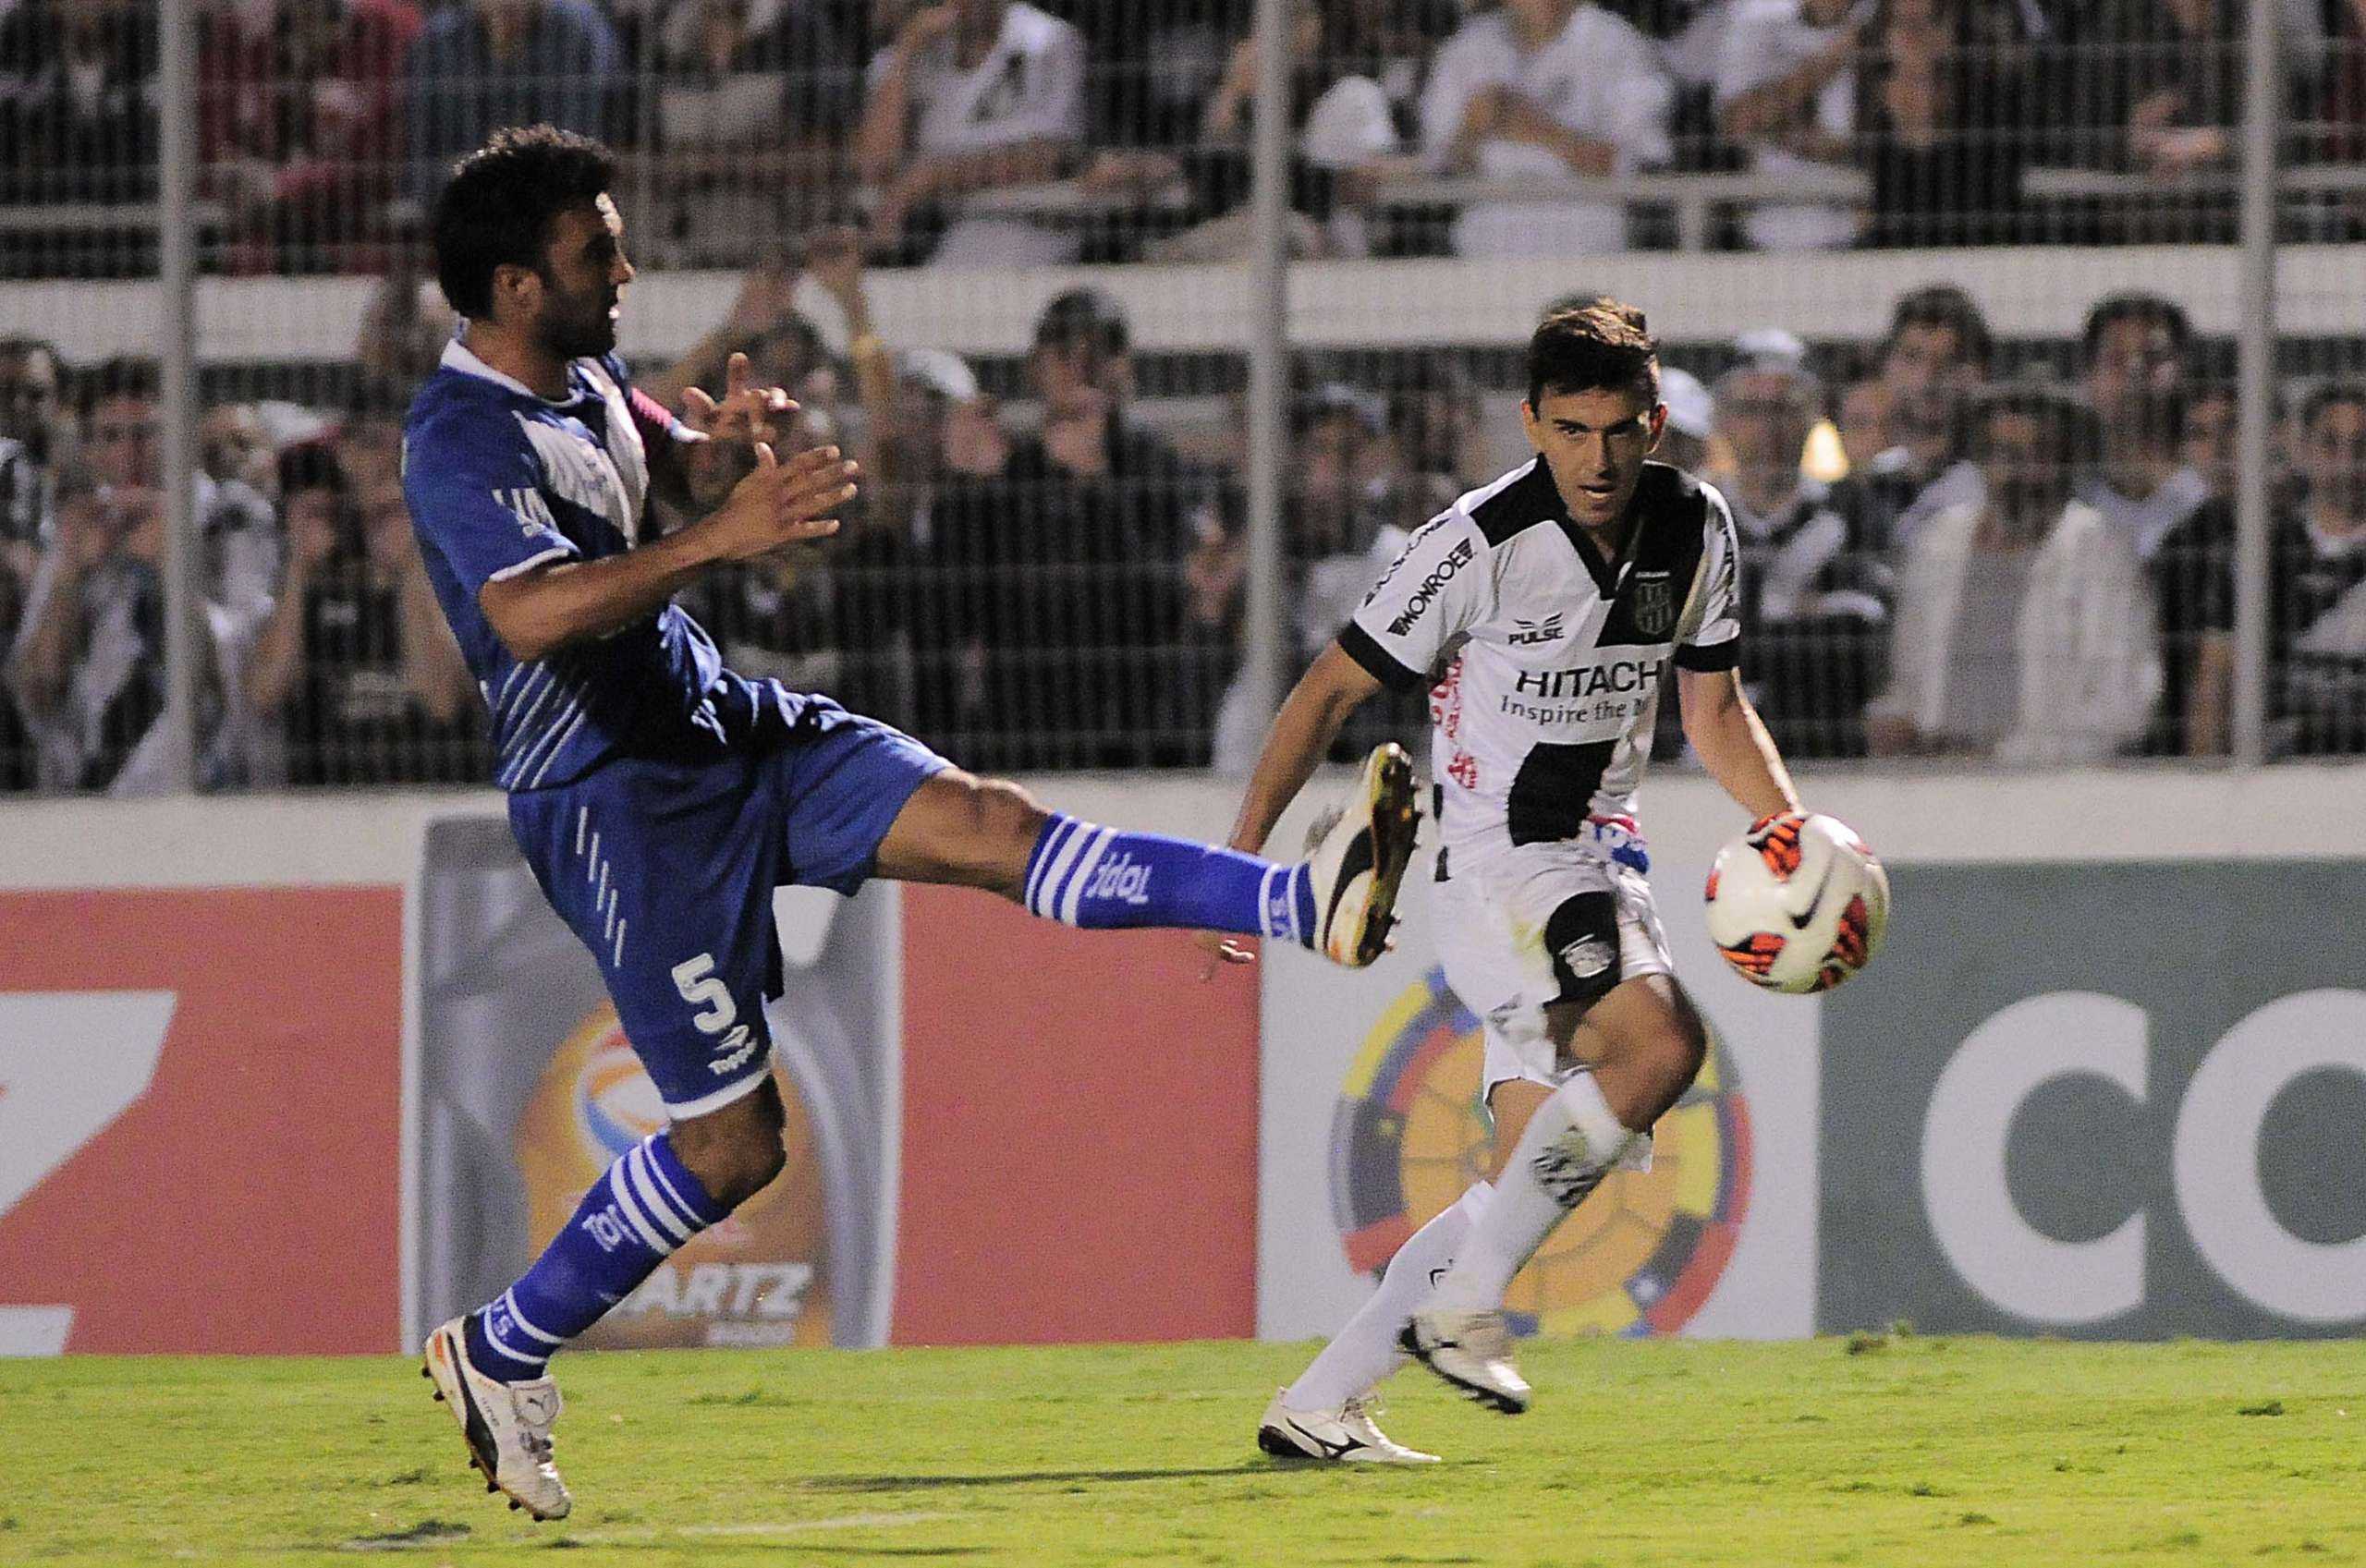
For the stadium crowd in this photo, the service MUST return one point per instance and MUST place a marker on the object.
(323, 123)
(1957, 547)
(1945, 555)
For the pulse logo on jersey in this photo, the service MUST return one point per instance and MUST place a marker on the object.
(1637, 1258)
(1530, 632)
(1426, 591)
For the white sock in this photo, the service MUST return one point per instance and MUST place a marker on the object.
(1365, 1351)
(1570, 1142)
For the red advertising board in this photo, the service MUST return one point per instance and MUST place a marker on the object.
(1079, 1133)
(201, 1096)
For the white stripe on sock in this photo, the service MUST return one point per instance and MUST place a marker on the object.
(1265, 902)
(1055, 840)
(509, 1299)
(653, 1201)
(1047, 893)
(620, 1187)
(1291, 880)
(657, 1169)
(1073, 895)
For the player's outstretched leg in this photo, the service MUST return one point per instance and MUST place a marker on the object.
(1327, 1413)
(1648, 1043)
(1339, 901)
(489, 1366)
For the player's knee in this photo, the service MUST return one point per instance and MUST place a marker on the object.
(1006, 814)
(735, 1152)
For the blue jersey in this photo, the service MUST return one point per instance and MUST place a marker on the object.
(501, 481)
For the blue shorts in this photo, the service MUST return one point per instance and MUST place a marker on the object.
(667, 870)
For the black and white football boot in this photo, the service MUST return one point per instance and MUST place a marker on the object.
(506, 1426)
(1345, 1436)
(1473, 1351)
(1356, 856)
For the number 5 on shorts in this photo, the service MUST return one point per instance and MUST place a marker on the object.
(695, 979)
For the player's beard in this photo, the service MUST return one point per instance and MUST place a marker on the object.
(581, 329)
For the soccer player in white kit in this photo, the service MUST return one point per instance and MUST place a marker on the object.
(1541, 612)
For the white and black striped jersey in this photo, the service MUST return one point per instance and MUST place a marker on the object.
(1545, 659)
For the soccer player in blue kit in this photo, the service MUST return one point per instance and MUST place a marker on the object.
(660, 798)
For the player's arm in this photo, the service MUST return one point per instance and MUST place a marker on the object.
(1300, 737)
(540, 610)
(1732, 743)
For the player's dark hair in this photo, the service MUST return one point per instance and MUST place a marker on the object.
(1604, 346)
(2151, 310)
(1084, 315)
(1946, 306)
(2330, 395)
(126, 375)
(502, 202)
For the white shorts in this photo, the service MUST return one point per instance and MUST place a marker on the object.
(1501, 917)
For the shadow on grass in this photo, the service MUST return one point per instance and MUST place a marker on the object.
(1019, 1478)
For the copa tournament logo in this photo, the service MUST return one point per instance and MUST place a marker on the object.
(1637, 1258)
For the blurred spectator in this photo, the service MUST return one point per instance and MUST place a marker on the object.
(78, 100)
(1947, 99)
(2316, 598)
(298, 128)
(1692, 422)
(1787, 88)
(1154, 67)
(354, 667)
(2132, 359)
(1866, 418)
(2207, 444)
(974, 95)
(1816, 583)
(751, 97)
(1073, 600)
(2024, 628)
(482, 65)
(1439, 427)
(30, 445)
(1934, 358)
(87, 667)
(1542, 90)
(404, 329)
(1345, 141)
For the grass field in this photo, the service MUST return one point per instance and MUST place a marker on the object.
(1880, 1451)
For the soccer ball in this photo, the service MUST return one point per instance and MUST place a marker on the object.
(1797, 903)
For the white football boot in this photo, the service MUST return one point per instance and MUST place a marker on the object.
(1357, 853)
(507, 1425)
(1470, 1350)
(1347, 1435)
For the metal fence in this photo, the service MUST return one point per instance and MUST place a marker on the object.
(2021, 334)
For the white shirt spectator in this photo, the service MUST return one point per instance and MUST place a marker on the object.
(1029, 87)
(1598, 78)
(1765, 41)
(2146, 520)
(2086, 654)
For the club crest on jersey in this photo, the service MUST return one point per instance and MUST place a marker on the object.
(1530, 632)
(1652, 599)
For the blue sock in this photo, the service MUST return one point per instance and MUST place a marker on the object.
(1102, 878)
(645, 1206)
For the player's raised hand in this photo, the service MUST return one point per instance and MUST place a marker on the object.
(778, 503)
(746, 414)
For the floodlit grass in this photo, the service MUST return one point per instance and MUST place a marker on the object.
(1879, 1451)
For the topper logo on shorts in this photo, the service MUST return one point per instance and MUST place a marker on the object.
(1122, 880)
(1426, 591)
(1637, 1258)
